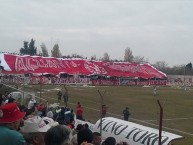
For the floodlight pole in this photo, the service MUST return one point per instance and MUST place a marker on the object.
(41, 87)
(184, 78)
(101, 112)
(160, 122)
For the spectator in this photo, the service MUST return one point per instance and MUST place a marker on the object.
(31, 103)
(10, 119)
(72, 116)
(109, 141)
(11, 100)
(79, 127)
(50, 113)
(96, 138)
(34, 130)
(79, 112)
(126, 114)
(57, 135)
(84, 135)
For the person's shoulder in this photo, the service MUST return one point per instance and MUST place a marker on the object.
(13, 134)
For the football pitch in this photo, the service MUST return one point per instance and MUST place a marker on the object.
(176, 102)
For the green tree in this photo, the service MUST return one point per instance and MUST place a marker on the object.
(32, 48)
(55, 52)
(25, 49)
(44, 51)
(188, 66)
(28, 48)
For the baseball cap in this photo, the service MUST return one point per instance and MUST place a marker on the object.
(37, 124)
(10, 113)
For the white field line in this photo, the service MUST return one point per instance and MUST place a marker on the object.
(188, 118)
(145, 121)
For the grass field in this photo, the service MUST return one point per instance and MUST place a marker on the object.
(177, 105)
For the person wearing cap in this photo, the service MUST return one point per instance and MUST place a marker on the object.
(10, 119)
(34, 129)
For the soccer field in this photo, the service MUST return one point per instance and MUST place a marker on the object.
(176, 102)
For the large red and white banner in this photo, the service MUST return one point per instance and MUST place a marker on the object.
(15, 64)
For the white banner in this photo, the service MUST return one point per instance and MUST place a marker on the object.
(132, 133)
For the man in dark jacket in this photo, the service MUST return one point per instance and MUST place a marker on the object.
(126, 114)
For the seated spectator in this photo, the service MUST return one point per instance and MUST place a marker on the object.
(10, 119)
(33, 130)
(96, 138)
(11, 100)
(58, 135)
(50, 113)
(109, 141)
(84, 135)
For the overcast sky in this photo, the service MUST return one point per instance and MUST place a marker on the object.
(160, 30)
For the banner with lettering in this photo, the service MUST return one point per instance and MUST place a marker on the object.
(16, 64)
(132, 133)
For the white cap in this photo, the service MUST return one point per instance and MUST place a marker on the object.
(37, 124)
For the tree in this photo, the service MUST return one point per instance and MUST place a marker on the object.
(161, 65)
(25, 49)
(55, 52)
(140, 59)
(106, 57)
(44, 50)
(188, 66)
(93, 57)
(32, 48)
(28, 49)
(128, 55)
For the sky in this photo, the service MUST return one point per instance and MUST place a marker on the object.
(159, 30)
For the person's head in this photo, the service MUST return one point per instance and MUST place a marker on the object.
(11, 116)
(57, 135)
(11, 100)
(96, 138)
(84, 135)
(127, 108)
(34, 129)
(86, 125)
(79, 127)
(109, 141)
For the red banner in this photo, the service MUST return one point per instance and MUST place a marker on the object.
(15, 64)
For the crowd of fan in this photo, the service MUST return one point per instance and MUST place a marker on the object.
(37, 124)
